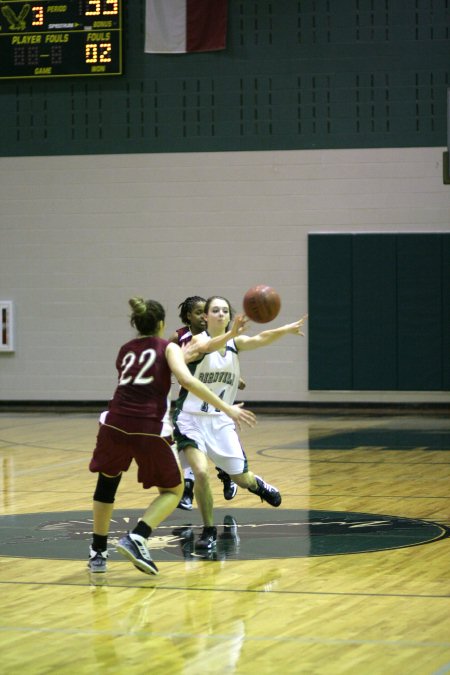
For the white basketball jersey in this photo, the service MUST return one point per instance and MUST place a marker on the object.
(220, 373)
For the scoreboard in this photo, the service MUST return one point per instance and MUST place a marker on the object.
(60, 39)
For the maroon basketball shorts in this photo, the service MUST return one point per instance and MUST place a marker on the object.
(121, 439)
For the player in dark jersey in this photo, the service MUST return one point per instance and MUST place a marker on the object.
(192, 314)
(137, 426)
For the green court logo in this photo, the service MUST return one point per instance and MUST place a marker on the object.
(243, 534)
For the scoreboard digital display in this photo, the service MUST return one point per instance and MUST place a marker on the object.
(60, 39)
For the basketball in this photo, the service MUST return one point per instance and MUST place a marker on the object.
(261, 303)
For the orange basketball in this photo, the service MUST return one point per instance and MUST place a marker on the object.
(262, 303)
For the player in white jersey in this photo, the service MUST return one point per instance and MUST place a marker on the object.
(202, 431)
(220, 371)
(192, 314)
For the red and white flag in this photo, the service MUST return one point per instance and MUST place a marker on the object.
(180, 26)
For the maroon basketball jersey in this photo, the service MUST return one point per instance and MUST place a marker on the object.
(144, 379)
(184, 335)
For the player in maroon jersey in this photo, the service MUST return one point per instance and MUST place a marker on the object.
(192, 315)
(137, 426)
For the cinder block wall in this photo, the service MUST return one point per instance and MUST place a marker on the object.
(79, 235)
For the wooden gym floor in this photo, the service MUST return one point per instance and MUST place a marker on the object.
(350, 575)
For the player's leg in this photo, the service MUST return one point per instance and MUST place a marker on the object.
(187, 498)
(134, 545)
(110, 459)
(226, 451)
(102, 507)
(158, 464)
(190, 433)
(182, 438)
(229, 486)
(162, 506)
(198, 461)
(255, 484)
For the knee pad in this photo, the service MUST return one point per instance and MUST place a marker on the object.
(106, 488)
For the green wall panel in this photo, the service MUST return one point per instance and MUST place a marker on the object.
(420, 312)
(445, 350)
(379, 312)
(295, 75)
(374, 290)
(330, 314)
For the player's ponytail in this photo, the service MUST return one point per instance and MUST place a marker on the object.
(146, 315)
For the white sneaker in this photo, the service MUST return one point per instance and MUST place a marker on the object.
(97, 561)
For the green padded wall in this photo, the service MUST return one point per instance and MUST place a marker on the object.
(446, 312)
(374, 302)
(296, 74)
(420, 312)
(379, 312)
(330, 317)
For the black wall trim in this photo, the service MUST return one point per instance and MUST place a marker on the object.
(263, 407)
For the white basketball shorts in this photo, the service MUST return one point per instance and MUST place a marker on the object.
(214, 435)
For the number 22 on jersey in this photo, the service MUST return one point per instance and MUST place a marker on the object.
(146, 360)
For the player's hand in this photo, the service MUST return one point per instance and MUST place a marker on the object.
(190, 351)
(239, 324)
(241, 416)
(242, 383)
(296, 327)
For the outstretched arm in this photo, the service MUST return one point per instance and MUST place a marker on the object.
(204, 345)
(179, 368)
(245, 343)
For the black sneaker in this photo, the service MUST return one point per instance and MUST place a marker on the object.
(268, 493)
(229, 488)
(207, 539)
(185, 502)
(134, 547)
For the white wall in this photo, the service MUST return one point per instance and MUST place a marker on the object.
(80, 235)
